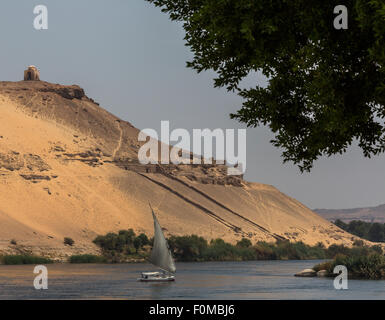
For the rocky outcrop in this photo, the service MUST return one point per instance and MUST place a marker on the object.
(14, 161)
(67, 92)
(35, 178)
(11, 161)
(322, 273)
(306, 273)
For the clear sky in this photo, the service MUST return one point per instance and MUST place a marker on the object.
(128, 56)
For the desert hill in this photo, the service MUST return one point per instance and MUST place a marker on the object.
(368, 214)
(68, 168)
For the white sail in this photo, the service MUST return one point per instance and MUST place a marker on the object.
(160, 254)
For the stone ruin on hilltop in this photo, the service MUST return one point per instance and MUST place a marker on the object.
(31, 74)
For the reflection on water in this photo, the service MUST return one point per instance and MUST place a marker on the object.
(209, 280)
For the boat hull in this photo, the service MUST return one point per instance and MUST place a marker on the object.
(156, 277)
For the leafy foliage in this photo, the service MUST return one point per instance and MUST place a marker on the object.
(326, 87)
(366, 230)
(125, 245)
(244, 243)
(141, 241)
(69, 241)
(123, 242)
(86, 258)
(370, 266)
(187, 248)
(194, 248)
(23, 259)
(116, 247)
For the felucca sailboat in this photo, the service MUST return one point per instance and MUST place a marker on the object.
(160, 257)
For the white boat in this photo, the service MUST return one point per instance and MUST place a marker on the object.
(156, 276)
(160, 257)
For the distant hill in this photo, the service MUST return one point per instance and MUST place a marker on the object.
(369, 214)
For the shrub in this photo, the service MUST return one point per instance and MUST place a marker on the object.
(324, 266)
(358, 243)
(140, 241)
(320, 245)
(86, 258)
(188, 248)
(107, 242)
(143, 238)
(24, 259)
(13, 241)
(69, 241)
(244, 243)
(219, 250)
(264, 251)
(123, 242)
(377, 249)
(336, 249)
(363, 267)
(371, 266)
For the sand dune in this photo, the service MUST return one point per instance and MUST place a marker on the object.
(68, 168)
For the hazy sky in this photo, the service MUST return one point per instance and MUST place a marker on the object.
(129, 57)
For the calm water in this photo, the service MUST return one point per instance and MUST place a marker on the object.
(209, 280)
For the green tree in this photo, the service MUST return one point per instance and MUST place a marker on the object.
(339, 223)
(127, 236)
(376, 233)
(107, 242)
(188, 248)
(359, 228)
(367, 230)
(137, 244)
(244, 243)
(140, 241)
(326, 87)
(144, 239)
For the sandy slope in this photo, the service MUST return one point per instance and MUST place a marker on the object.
(67, 168)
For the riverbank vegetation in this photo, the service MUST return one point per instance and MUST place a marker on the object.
(123, 246)
(371, 267)
(126, 246)
(194, 248)
(23, 259)
(372, 231)
(87, 258)
(362, 262)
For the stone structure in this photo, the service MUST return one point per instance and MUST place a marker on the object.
(31, 74)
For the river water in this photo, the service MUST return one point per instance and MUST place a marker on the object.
(207, 280)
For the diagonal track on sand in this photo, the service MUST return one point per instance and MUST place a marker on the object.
(120, 140)
(225, 207)
(195, 204)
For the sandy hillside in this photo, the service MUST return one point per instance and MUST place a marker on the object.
(68, 168)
